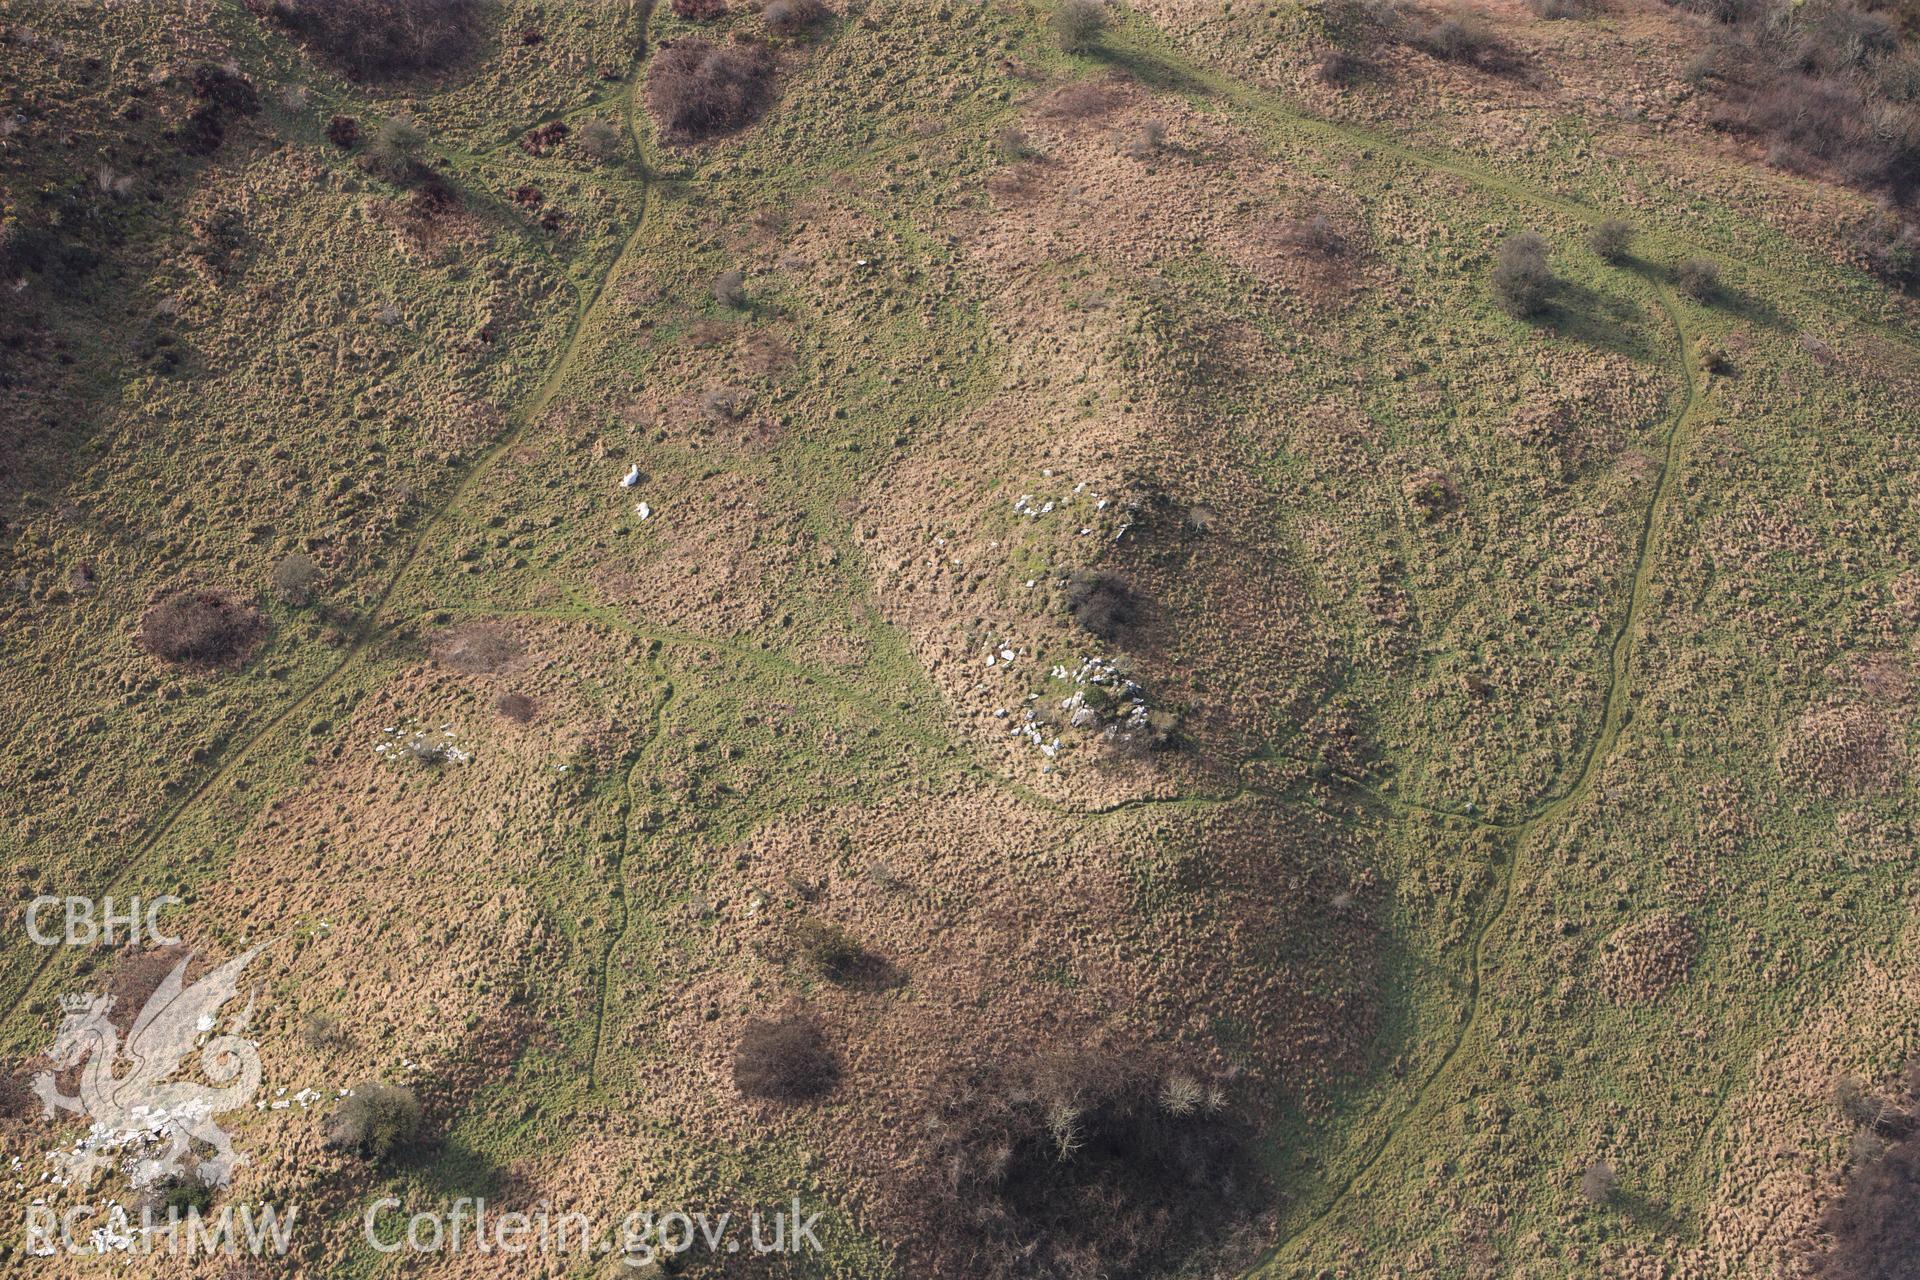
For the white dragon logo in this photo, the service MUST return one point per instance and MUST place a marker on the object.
(139, 1115)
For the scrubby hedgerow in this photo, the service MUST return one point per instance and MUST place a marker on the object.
(1828, 85)
(375, 39)
(1078, 1166)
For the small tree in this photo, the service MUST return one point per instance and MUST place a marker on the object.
(294, 577)
(1612, 240)
(1522, 279)
(602, 140)
(795, 17)
(1077, 24)
(1699, 279)
(375, 1120)
(396, 145)
(828, 948)
(1598, 1182)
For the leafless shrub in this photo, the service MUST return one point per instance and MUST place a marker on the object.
(1712, 357)
(1012, 145)
(396, 146)
(1077, 24)
(1612, 240)
(1016, 1154)
(785, 1059)
(789, 18)
(1871, 1231)
(476, 648)
(1698, 278)
(1338, 67)
(203, 628)
(517, 707)
(376, 1120)
(1462, 37)
(700, 90)
(1597, 1183)
(1561, 10)
(294, 577)
(603, 140)
(374, 39)
(1315, 235)
(1147, 141)
(730, 289)
(1522, 279)
(699, 10)
(1102, 603)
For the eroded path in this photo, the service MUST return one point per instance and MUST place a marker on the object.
(1550, 812)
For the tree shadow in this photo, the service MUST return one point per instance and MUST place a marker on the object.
(1599, 320)
(1653, 1216)
(1149, 70)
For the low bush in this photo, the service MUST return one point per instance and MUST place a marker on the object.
(697, 89)
(784, 1059)
(1102, 603)
(375, 39)
(344, 132)
(699, 10)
